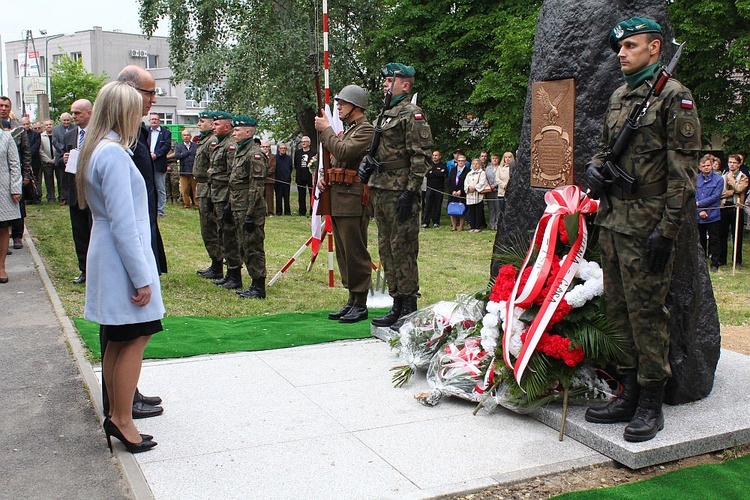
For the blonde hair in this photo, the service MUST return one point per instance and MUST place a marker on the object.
(118, 107)
(507, 153)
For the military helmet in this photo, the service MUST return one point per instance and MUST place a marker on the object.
(353, 94)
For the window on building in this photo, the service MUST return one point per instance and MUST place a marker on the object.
(76, 56)
(153, 61)
(42, 66)
(19, 104)
(166, 118)
(56, 58)
(15, 68)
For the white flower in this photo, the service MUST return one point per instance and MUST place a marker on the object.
(490, 320)
(489, 338)
(515, 343)
(494, 307)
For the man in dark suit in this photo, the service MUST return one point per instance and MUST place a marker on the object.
(35, 142)
(80, 218)
(159, 143)
(58, 134)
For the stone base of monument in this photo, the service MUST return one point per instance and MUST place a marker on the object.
(383, 333)
(721, 420)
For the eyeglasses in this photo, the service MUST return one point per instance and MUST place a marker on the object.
(151, 93)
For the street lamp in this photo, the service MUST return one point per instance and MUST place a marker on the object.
(46, 57)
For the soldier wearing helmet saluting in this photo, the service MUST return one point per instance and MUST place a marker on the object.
(350, 210)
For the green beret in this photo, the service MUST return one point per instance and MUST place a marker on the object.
(244, 121)
(398, 69)
(222, 115)
(206, 114)
(633, 26)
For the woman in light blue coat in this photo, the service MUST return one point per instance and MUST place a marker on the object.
(123, 292)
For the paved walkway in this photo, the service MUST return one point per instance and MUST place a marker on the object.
(319, 421)
(51, 441)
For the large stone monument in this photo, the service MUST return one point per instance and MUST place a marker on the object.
(571, 43)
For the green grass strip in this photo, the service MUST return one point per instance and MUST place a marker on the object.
(192, 336)
(726, 480)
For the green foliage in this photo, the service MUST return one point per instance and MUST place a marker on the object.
(69, 82)
(589, 328)
(715, 66)
(514, 251)
(501, 91)
(472, 58)
(255, 55)
(454, 47)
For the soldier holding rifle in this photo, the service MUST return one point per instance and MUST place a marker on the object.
(394, 170)
(656, 159)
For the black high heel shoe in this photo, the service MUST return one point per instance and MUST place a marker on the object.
(110, 429)
(145, 437)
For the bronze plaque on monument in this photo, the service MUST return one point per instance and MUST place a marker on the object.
(552, 118)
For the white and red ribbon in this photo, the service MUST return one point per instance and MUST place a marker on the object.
(561, 202)
(466, 360)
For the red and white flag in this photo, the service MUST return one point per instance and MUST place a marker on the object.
(317, 220)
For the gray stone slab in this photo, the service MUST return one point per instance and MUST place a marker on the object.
(383, 333)
(721, 420)
(324, 421)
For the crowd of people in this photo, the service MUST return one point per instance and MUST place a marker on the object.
(721, 205)
(113, 173)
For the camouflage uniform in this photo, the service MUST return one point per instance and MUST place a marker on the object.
(209, 224)
(404, 153)
(222, 157)
(661, 157)
(247, 197)
(350, 217)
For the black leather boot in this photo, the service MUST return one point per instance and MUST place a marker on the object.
(341, 312)
(649, 419)
(392, 315)
(213, 272)
(234, 280)
(409, 306)
(256, 291)
(358, 312)
(622, 408)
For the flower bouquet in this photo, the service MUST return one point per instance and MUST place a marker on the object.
(455, 370)
(427, 330)
(551, 314)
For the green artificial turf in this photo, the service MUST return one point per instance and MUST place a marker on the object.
(192, 336)
(727, 480)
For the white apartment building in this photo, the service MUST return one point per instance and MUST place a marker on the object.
(101, 52)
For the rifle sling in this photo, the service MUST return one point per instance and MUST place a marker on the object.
(657, 188)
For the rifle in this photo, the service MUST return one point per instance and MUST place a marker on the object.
(370, 164)
(324, 198)
(613, 173)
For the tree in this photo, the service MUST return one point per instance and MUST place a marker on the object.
(501, 92)
(716, 66)
(69, 81)
(255, 54)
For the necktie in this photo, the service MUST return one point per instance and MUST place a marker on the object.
(51, 149)
(80, 138)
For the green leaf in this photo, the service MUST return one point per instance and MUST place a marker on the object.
(572, 222)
